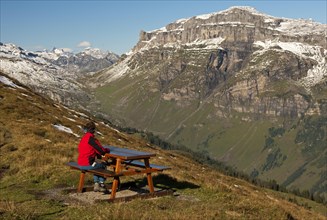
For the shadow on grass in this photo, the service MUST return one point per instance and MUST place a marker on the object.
(164, 181)
(161, 182)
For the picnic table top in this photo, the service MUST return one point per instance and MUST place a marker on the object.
(128, 154)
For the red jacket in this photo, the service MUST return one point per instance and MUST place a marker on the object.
(88, 149)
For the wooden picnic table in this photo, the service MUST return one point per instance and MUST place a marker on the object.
(125, 162)
(125, 158)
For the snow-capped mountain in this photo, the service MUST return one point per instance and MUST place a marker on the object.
(95, 52)
(211, 31)
(55, 73)
(41, 75)
(54, 54)
(248, 88)
(88, 61)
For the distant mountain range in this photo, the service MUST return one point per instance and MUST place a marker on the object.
(87, 61)
(55, 73)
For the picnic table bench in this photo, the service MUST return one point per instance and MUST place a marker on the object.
(125, 162)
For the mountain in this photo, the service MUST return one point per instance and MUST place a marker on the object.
(56, 73)
(87, 61)
(243, 87)
(41, 75)
(38, 136)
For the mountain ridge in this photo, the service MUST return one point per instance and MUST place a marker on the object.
(86, 61)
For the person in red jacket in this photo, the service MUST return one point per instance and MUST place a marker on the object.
(89, 149)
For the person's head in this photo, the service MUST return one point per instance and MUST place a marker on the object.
(90, 127)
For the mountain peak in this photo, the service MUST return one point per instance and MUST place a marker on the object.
(60, 51)
(94, 52)
(230, 10)
(243, 8)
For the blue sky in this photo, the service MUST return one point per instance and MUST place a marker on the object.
(115, 25)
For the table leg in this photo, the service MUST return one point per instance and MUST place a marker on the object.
(149, 177)
(116, 179)
(81, 182)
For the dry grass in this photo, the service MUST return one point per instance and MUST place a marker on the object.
(33, 154)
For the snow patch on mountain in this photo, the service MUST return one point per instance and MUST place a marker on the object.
(230, 10)
(244, 8)
(315, 75)
(94, 52)
(301, 27)
(8, 82)
(208, 44)
(54, 54)
(116, 71)
(64, 129)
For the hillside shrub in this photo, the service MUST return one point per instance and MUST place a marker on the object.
(273, 132)
(274, 159)
(313, 135)
(269, 142)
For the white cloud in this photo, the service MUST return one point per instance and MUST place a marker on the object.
(84, 44)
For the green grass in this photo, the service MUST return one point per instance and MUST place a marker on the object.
(33, 173)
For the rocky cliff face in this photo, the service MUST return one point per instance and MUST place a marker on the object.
(237, 24)
(218, 82)
(255, 50)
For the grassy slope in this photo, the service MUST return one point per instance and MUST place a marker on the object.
(33, 154)
(241, 144)
(237, 142)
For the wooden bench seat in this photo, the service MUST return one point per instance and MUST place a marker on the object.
(141, 164)
(99, 172)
